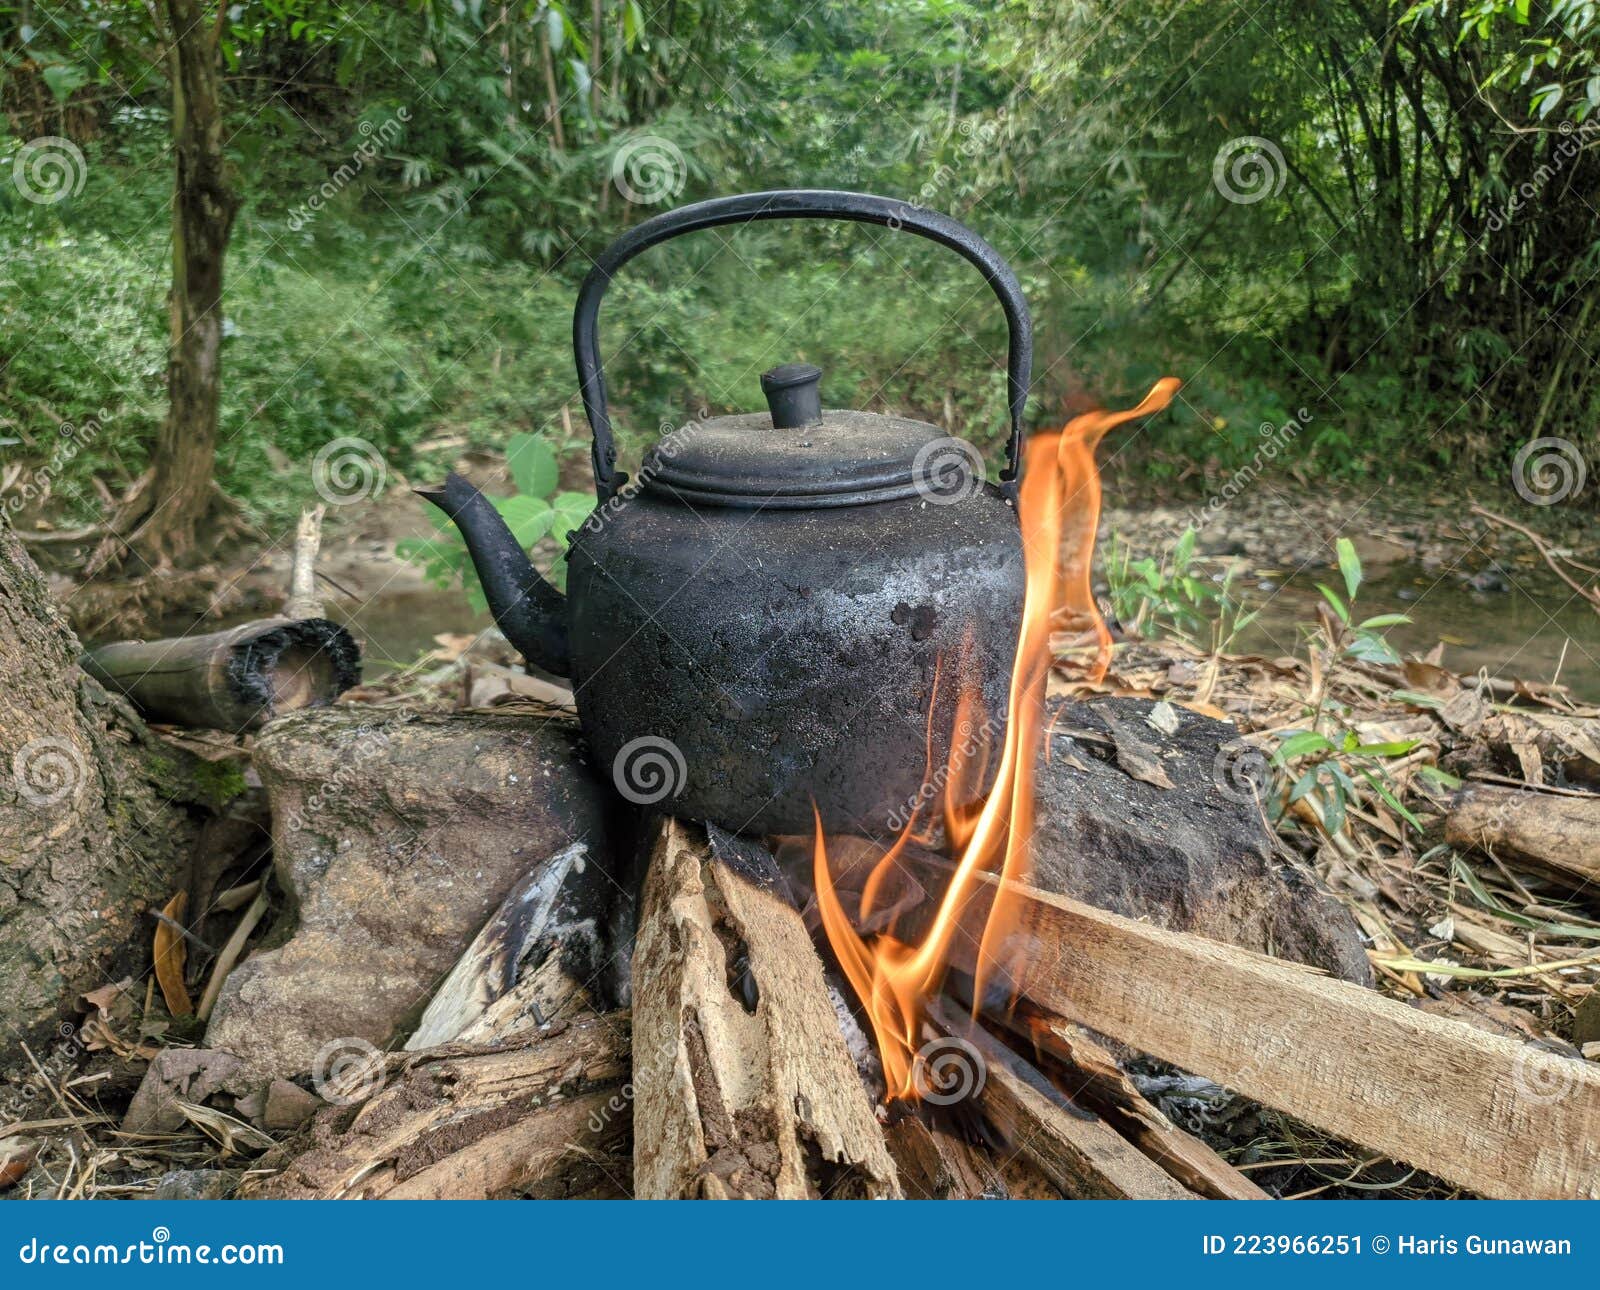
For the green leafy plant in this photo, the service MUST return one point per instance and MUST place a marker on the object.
(1326, 770)
(1172, 597)
(538, 509)
(1362, 640)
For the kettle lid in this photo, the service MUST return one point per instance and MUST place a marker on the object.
(796, 454)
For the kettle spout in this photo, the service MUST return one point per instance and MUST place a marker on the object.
(531, 612)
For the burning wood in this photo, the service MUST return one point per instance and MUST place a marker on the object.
(1059, 500)
(744, 1086)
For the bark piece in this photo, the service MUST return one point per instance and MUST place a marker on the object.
(1197, 856)
(745, 1087)
(233, 680)
(93, 826)
(1555, 833)
(540, 951)
(1503, 1118)
(396, 835)
(546, 1116)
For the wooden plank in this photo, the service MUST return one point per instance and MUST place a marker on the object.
(1078, 1152)
(1502, 1118)
(744, 1085)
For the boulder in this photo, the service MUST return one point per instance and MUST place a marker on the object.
(396, 834)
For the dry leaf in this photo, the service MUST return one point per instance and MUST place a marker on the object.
(171, 955)
(1137, 758)
(1164, 718)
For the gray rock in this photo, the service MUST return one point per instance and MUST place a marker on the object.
(195, 1184)
(1196, 857)
(395, 834)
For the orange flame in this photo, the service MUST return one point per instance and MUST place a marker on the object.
(1059, 510)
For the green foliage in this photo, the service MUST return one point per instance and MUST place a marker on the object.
(1172, 597)
(537, 510)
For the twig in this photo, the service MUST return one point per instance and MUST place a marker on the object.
(1590, 594)
(230, 953)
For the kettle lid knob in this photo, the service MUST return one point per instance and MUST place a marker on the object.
(794, 395)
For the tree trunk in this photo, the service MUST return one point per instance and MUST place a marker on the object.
(203, 207)
(91, 835)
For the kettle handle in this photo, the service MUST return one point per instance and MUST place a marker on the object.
(791, 203)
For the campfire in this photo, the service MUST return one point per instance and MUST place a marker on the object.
(1059, 509)
(842, 868)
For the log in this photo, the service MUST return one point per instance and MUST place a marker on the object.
(1555, 833)
(1078, 1152)
(744, 1085)
(1502, 1118)
(233, 680)
(545, 1117)
(396, 836)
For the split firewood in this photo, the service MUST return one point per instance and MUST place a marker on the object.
(1081, 1155)
(935, 1164)
(1502, 1118)
(745, 1087)
(532, 961)
(1557, 833)
(233, 680)
(1106, 1087)
(546, 1117)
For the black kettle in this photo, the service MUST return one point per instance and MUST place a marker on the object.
(784, 606)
